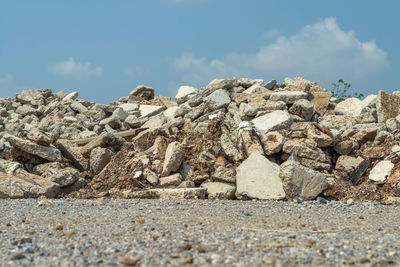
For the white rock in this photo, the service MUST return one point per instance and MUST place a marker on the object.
(71, 96)
(257, 177)
(129, 107)
(184, 91)
(218, 190)
(381, 171)
(169, 113)
(149, 110)
(351, 106)
(276, 120)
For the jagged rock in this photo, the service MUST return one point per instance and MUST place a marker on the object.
(171, 193)
(46, 152)
(257, 177)
(321, 100)
(218, 99)
(174, 179)
(250, 142)
(39, 137)
(70, 96)
(59, 173)
(142, 91)
(225, 174)
(173, 158)
(381, 171)
(73, 154)
(288, 97)
(299, 181)
(151, 177)
(319, 137)
(217, 190)
(99, 158)
(302, 149)
(149, 110)
(78, 107)
(184, 93)
(155, 122)
(273, 142)
(25, 185)
(276, 120)
(337, 121)
(387, 106)
(302, 108)
(345, 147)
(169, 113)
(210, 88)
(229, 148)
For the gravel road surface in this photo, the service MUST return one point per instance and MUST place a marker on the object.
(196, 233)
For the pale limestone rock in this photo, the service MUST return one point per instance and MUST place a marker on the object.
(217, 190)
(174, 179)
(257, 177)
(276, 120)
(381, 171)
(173, 158)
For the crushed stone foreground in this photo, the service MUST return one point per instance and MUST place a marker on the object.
(232, 139)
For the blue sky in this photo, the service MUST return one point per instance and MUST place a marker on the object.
(103, 49)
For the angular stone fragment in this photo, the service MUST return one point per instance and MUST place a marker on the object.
(217, 190)
(39, 137)
(250, 142)
(46, 152)
(257, 177)
(173, 158)
(218, 99)
(387, 106)
(321, 100)
(210, 88)
(288, 97)
(337, 121)
(155, 122)
(99, 158)
(171, 193)
(302, 108)
(143, 91)
(302, 149)
(25, 185)
(59, 173)
(224, 174)
(381, 171)
(150, 110)
(174, 179)
(78, 107)
(299, 181)
(73, 154)
(272, 141)
(184, 93)
(276, 120)
(229, 148)
(346, 146)
(151, 177)
(320, 138)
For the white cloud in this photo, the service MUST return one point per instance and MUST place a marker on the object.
(322, 52)
(269, 34)
(70, 67)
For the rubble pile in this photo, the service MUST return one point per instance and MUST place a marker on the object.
(232, 139)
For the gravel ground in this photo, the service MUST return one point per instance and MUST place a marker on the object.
(199, 233)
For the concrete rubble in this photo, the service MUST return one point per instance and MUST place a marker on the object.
(232, 139)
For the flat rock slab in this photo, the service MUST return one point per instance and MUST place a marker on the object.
(257, 177)
(288, 97)
(171, 193)
(276, 120)
(49, 153)
(149, 110)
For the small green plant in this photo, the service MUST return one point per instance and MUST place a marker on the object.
(340, 91)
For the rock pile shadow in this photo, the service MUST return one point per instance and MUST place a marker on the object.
(232, 139)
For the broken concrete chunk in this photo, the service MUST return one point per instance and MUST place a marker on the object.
(276, 120)
(184, 93)
(257, 177)
(299, 181)
(143, 91)
(381, 171)
(49, 153)
(302, 108)
(218, 99)
(174, 179)
(173, 158)
(73, 154)
(229, 148)
(39, 137)
(99, 158)
(149, 110)
(387, 106)
(151, 177)
(225, 174)
(171, 193)
(288, 97)
(217, 190)
(272, 141)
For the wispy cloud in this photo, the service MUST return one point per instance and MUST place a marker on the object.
(70, 67)
(321, 52)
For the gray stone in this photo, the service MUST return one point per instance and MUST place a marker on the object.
(173, 158)
(218, 99)
(155, 122)
(276, 120)
(302, 108)
(49, 153)
(119, 114)
(288, 97)
(272, 142)
(387, 106)
(143, 91)
(99, 158)
(150, 110)
(171, 193)
(184, 93)
(299, 181)
(174, 179)
(257, 177)
(151, 177)
(270, 85)
(39, 137)
(58, 173)
(225, 174)
(217, 190)
(70, 96)
(229, 148)
(78, 107)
